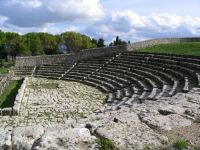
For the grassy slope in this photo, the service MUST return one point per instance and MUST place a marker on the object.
(192, 48)
(8, 96)
(3, 70)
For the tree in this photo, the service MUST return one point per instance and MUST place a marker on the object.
(73, 41)
(111, 44)
(118, 41)
(13, 44)
(76, 41)
(94, 41)
(10, 44)
(23, 47)
(100, 42)
(87, 42)
(3, 53)
(35, 44)
(36, 47)
(49, 43)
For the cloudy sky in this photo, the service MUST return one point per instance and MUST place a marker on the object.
(132, 20)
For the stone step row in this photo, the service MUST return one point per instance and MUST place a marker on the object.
(130, 76)
(24, 71)
(56, 71)
(184, 58)
(178, 71)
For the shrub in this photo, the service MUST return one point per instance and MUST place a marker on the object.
(81, 115)
(3, 70)
(146, 148)
(1, 62)
(105, 144)
(180, 144)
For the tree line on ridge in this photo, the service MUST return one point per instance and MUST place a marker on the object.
(33, 44)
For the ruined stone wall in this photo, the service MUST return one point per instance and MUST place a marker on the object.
(4, 81)
(70, 58)
(67, 58)
(18, 98)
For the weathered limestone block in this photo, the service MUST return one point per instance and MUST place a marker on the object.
(63, 137)
(5, 139)
(125, 129)
(164, 120)
(24, 137)
(183, 104)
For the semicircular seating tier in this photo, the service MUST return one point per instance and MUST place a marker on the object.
(128, 77)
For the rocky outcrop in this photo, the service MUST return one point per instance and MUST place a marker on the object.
(24, 137)
(164, 122)
(136, 127)
(127, 132)
(62, 137)
(5, 139)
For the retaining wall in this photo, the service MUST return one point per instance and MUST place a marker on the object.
(67, 58)
(88, 53)
(148, 43)
(19, 97)
(4, 81)
(9, 111)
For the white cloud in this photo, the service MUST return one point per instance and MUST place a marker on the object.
(33, 13)
(132, 26)
(49, 28)
(53, 29)
(130, 18)
(167, 21)
(2, 20)
(29, 3)
(192, 24)
(88, 17)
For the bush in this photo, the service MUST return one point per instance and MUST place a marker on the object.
(3, 70)
(180, 144)
(1, 62)
(105, 144)
(146, 148)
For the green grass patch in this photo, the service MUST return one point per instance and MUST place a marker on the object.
(81, 115)
(180, 144)
(7, 98)
(3, 70)
(105, 144)
(146, 148)
(188, 48)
